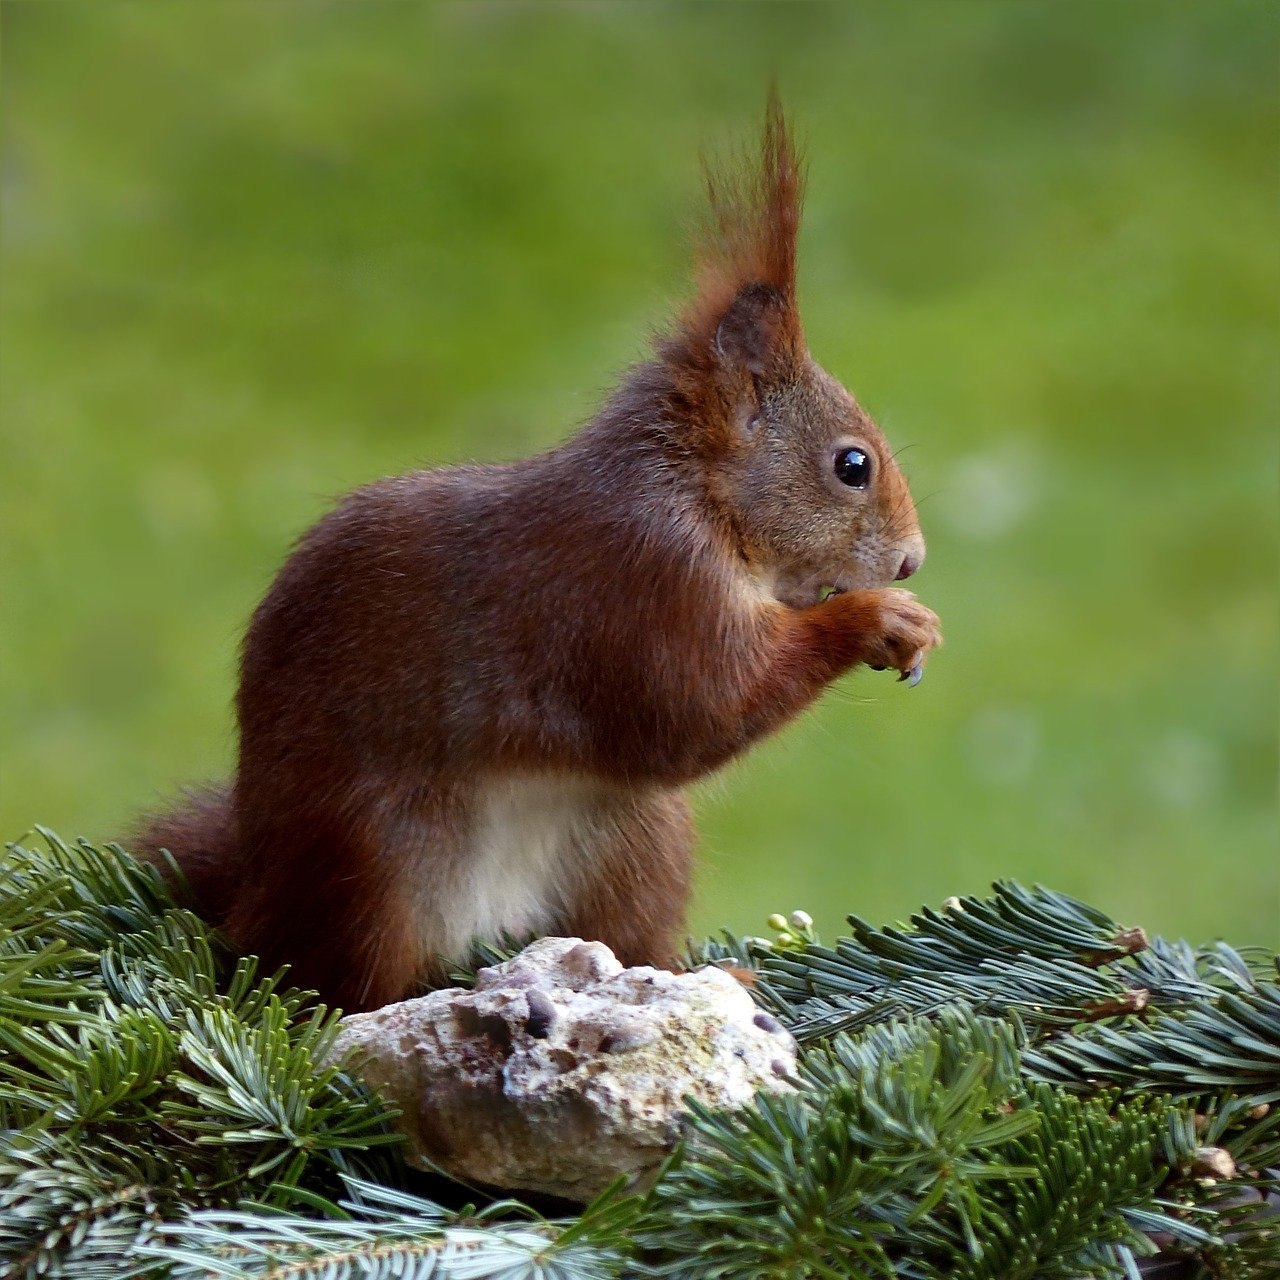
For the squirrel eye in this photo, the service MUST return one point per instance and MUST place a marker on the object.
(853, 468)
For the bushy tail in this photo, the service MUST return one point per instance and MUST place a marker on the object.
(200, 832)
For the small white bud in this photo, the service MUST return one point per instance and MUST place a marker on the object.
(952, 904)
(801, 920)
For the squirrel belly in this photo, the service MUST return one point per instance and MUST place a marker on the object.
(470, 700)
(530, 847)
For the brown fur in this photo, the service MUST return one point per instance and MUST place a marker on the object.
(472, 696)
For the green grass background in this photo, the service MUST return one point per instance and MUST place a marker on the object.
(256, 254)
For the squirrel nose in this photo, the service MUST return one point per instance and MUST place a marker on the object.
(911, 562)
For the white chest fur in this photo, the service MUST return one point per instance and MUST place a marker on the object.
(528, 839)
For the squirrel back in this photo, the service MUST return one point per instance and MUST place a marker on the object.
(470, 700)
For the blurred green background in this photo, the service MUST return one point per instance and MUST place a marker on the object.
(256, 254)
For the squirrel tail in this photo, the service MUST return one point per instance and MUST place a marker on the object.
(200, 833)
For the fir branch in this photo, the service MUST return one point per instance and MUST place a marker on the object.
(387, 1233)
(263, 1085)
(165, 1070)
(727, 950)
(1035, 953)
(65, 1213)
(891, 1142)
(1097, 1173)
(89, 895)
(1232, 1042)
(1175, 973)
(166, 1111)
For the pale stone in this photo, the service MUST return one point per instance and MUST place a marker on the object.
(562, 1069)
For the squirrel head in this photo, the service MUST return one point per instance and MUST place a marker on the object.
(796, 470)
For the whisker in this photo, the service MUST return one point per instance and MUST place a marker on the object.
(887, 521)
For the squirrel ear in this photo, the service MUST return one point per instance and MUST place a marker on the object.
(754, 333)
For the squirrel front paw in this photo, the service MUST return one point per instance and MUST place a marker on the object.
(903, 634)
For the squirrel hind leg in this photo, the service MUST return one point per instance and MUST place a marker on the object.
(200, 832)
(637, 895)
(322, 898)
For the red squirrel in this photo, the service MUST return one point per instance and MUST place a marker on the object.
(471, 701)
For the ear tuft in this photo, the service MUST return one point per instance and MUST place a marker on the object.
(745, 305)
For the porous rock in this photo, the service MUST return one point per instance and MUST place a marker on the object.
(561, 1069)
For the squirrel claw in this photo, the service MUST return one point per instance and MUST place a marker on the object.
(913, 675)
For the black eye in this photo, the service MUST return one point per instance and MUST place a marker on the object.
(853, 468)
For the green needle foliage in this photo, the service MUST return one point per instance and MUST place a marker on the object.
(1043, 956)
(892, 1141)
(1009, 1087)
(146, 1072)
(1231, 1042)
(383, 1232)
